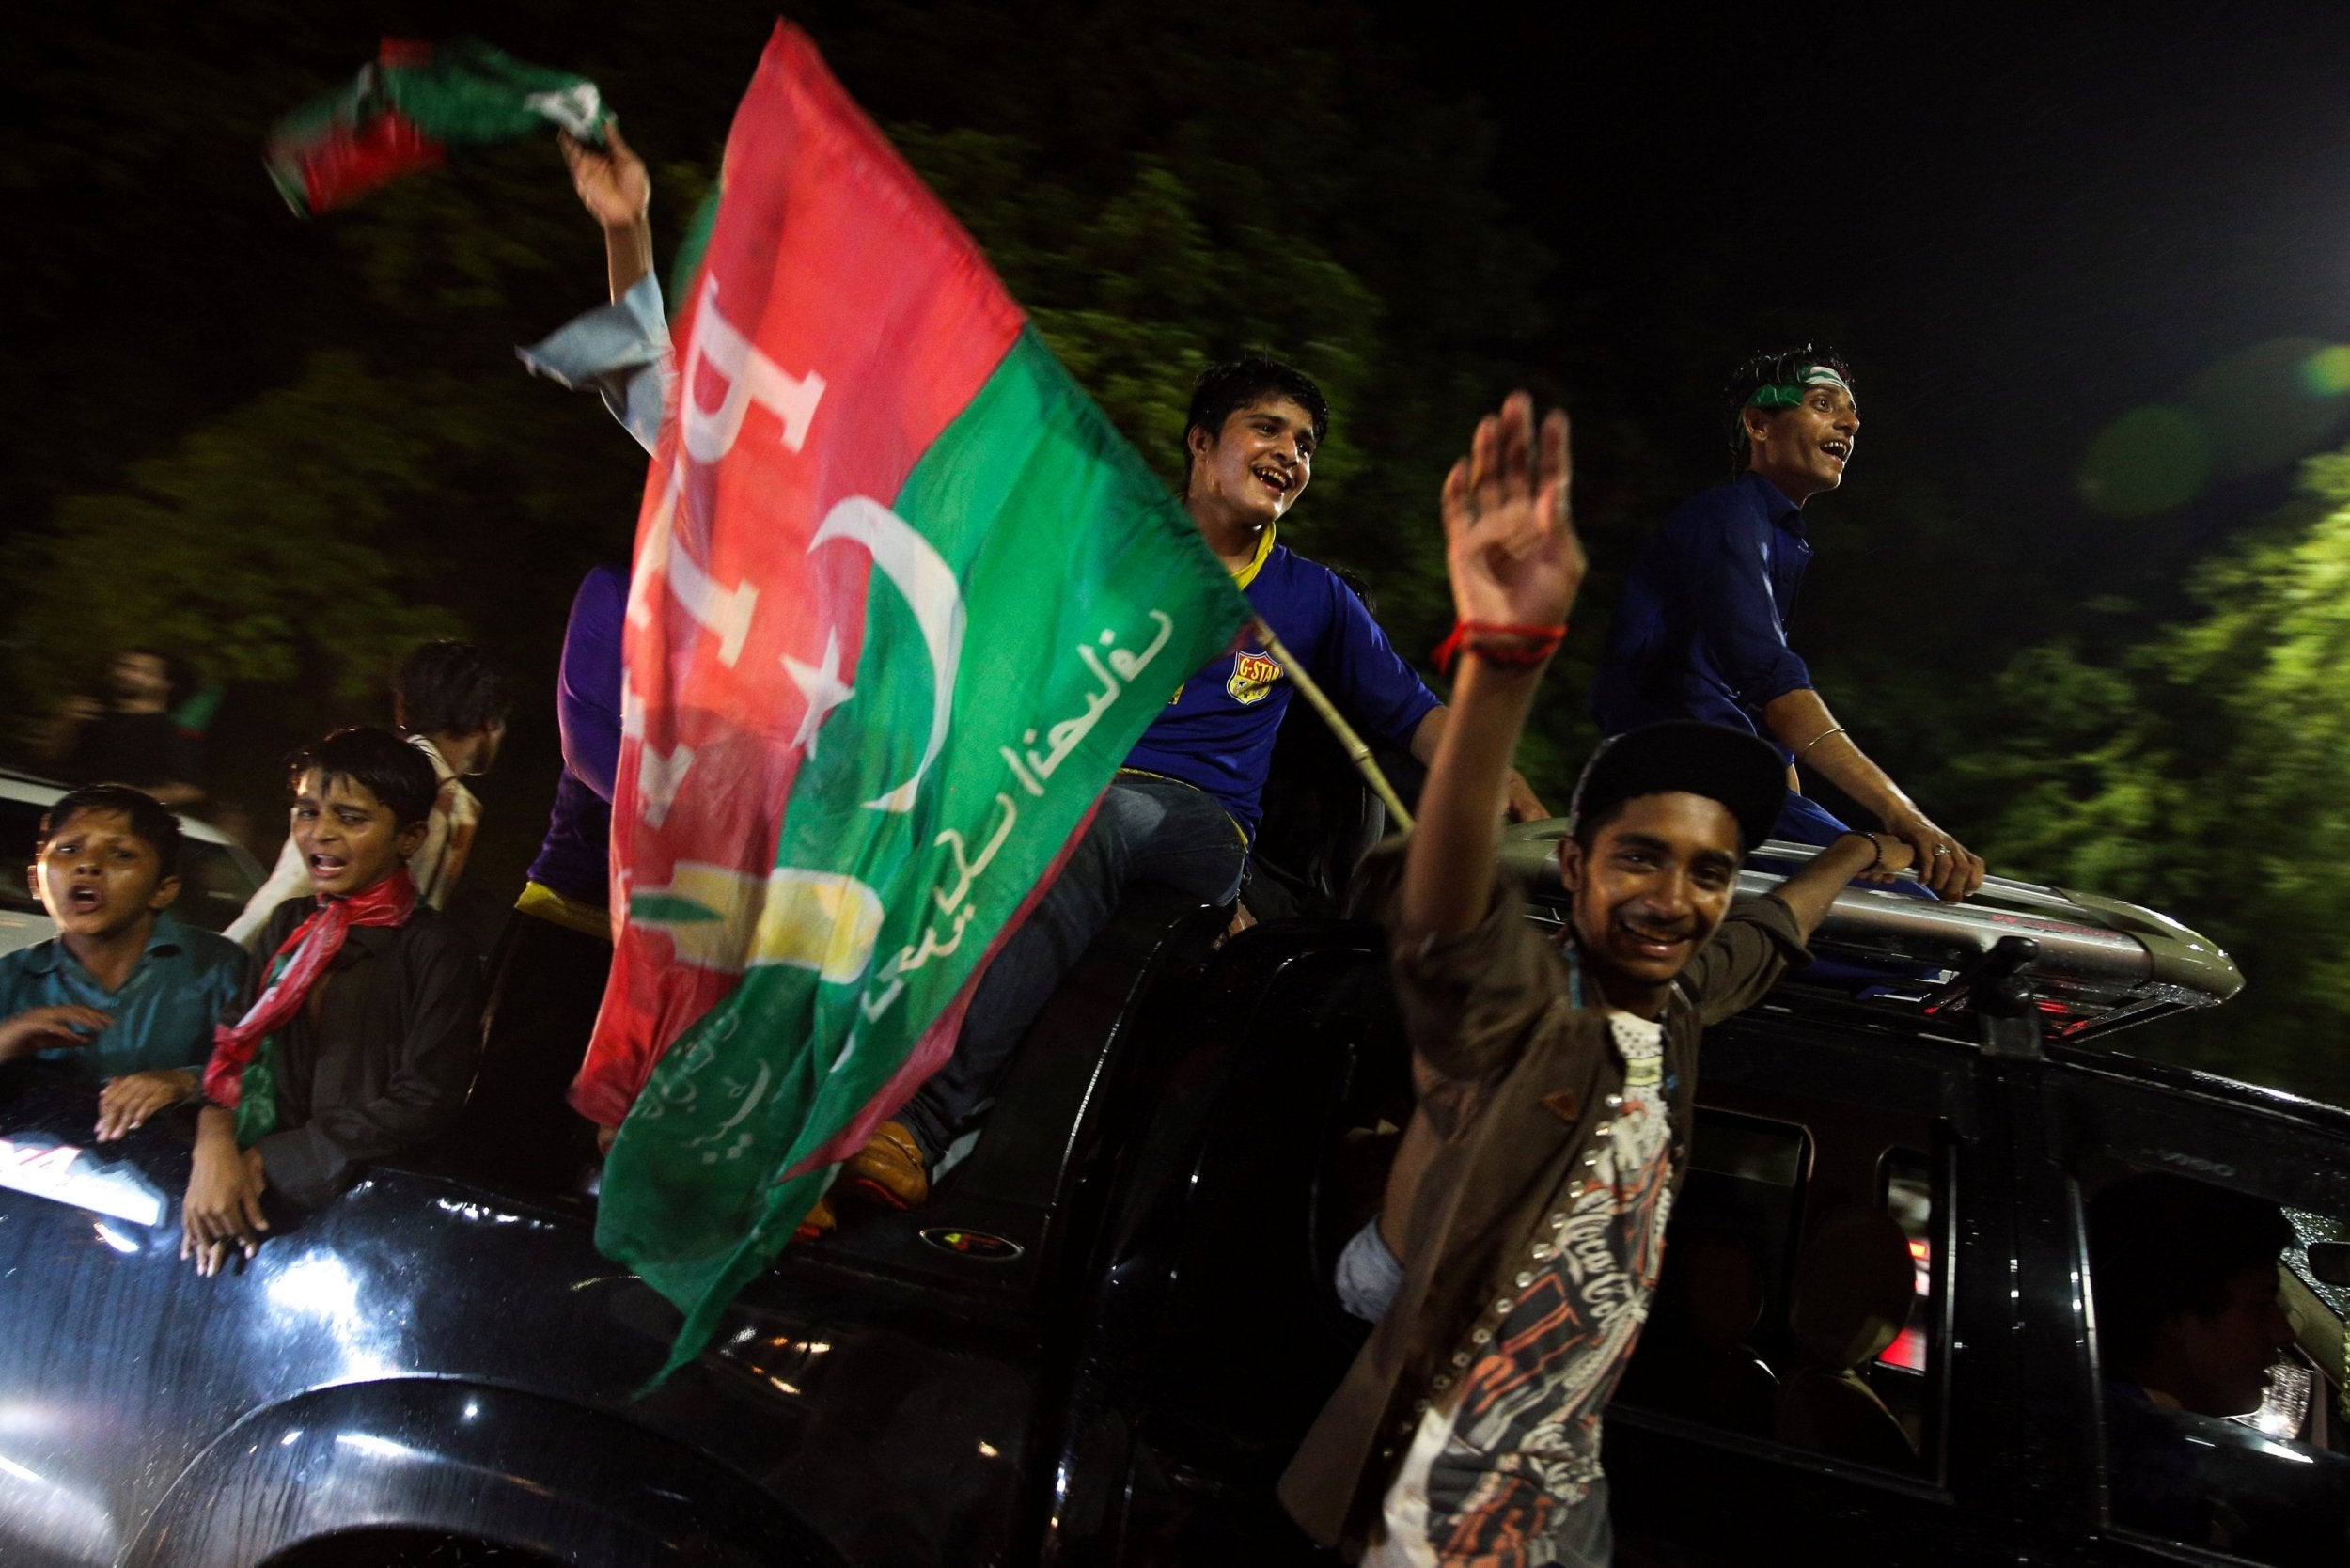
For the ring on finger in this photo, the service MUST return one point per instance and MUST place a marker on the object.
(1940, 850)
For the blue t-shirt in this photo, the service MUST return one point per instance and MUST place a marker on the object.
(186, 981)
(1701, 629)
(1218, 733)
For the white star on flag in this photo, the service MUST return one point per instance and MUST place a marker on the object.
(821, 686)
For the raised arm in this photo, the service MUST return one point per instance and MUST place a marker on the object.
(1515, 565)
(1519, 803)
(1800, 721)
(618, 193)
(1809, 892)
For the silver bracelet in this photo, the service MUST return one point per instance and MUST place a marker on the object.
(1816, 740)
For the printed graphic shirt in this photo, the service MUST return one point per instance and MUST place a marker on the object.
(1495, 1471)
(1217, 732)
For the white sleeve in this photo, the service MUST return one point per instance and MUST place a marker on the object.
(620, 350)
(290, 879)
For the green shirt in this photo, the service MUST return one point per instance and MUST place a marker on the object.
(184, 982)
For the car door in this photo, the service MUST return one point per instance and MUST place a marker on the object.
(2170, 1485)
(1822, 1376)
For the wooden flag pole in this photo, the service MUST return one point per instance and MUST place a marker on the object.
(1357, 751)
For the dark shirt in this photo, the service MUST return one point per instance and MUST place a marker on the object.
(1701, 629)
(379, 1057)
(573, 859)
(141, 750)
(1218, 733)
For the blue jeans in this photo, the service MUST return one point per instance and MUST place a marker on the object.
(1147, 830)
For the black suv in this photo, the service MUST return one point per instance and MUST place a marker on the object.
(1103, 1338)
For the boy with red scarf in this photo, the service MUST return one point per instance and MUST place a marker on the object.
(362, 1042)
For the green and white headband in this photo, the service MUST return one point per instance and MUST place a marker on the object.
(1791, 394)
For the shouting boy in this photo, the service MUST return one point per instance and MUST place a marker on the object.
(451, 703)
(362, 1042)
(1524, 1224)
(123, 991)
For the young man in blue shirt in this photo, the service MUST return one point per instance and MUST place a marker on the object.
(123, 993)
(1700, 630)
(1183, 810)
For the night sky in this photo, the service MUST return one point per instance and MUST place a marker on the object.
(2019, 226)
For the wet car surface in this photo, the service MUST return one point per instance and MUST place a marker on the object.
(1103, 1338)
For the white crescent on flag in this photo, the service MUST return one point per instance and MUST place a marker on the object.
(930, 592)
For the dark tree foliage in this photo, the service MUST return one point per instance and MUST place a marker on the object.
(282, 451)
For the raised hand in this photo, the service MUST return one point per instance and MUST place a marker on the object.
(1512, 547)
(611, 179)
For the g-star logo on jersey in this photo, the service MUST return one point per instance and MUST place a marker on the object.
(1253, 675)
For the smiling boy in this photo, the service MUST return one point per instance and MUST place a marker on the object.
(363, 1043)
(1701, 629)
(1183, 810)
(1512, 1266)
(123, 992)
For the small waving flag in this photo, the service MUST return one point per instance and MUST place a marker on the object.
(902, 602)
(409, 107)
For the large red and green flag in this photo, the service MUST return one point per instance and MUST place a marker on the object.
(902, 601)
(408, 108)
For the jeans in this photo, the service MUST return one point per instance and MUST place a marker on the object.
(1369, 1274)
(1147, 830)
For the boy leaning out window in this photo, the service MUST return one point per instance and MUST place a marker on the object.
(123, 995)
(362, 1042)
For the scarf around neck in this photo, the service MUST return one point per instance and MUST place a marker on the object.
(295, 967)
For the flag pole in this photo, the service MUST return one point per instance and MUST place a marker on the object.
(1353, 745)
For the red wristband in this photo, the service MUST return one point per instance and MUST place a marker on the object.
(1533, 644)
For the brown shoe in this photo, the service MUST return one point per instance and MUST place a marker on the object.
(819, 1222)
(890, 1170)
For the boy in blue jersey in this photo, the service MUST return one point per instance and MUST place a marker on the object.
(1701, 629)
(1185, 807)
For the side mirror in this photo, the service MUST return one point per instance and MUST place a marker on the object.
(2330, 1263)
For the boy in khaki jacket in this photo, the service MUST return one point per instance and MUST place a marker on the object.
(1512, 1267)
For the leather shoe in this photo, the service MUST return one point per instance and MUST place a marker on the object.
(890, 1170)
(819, 1222)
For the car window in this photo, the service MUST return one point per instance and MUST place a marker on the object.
(20, 833)
(1907, 1196)
(214, 886)
(2219, 1362)
(1802, 1287)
